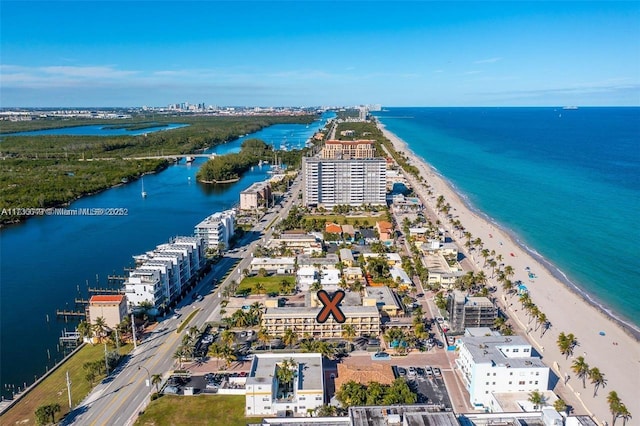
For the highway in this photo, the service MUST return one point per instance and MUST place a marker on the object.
(119, 398)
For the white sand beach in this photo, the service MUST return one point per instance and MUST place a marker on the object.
(603, 342)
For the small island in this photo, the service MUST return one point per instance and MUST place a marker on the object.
(229, 168)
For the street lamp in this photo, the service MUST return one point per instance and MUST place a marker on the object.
(148, 376)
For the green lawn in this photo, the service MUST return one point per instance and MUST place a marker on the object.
(271, 284)
(54, 389)
(169, 410)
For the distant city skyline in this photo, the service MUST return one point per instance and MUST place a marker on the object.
(307, 53)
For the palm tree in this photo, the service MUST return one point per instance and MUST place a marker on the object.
(263, 336)
(193, 331)
(581, 369)
(260, 288)
(315, 287)
(99, 326)
(227, 337)
(215, 351)
(286, 373)
(537, 399)
(625, 414)
(566, 343)
(485, 255)
(508, 271)
(614, 405)
(290, 337)
(85, 330)
(348, 331)
(597, 379)
(156, 379)
(179, 354)
(541, 319)
(560, 406)
(228, 354)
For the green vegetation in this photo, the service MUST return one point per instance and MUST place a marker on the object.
(266, 285)
(355, 394)
(51, 170)
(232, 166)
(186, 321)
(225, 410)
(364, 130)
(357, 221)
(53, 389)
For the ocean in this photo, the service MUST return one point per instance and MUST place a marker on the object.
(564, 182)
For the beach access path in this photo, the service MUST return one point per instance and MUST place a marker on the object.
(603, 341)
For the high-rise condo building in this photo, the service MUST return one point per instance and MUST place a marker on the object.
(331, 182)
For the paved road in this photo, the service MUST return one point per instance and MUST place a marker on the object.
(121, 396)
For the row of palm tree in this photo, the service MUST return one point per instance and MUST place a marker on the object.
(617, 408)
(582, 371)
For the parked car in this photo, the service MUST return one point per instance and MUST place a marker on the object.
(402, 371)
(412, 371)
(382, 355)
(437, 372)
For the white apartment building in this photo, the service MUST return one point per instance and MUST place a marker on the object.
(162, 274)
(499, 364)
(266, 396)
(440, 272)
(331, 182)
(217, 228)
(278, 265)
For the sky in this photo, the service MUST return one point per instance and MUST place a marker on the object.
(319, 53)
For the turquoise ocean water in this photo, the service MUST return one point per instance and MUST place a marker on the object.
(565, 183)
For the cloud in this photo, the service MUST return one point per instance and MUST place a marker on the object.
(488, 60)
(473, 72)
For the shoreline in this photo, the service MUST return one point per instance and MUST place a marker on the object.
(551, 268)
(569, 308)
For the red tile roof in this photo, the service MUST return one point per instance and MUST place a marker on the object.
(103, 298)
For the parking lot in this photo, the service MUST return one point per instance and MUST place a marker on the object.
(428, 384)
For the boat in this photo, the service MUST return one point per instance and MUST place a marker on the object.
(570, 107)
(143, 193)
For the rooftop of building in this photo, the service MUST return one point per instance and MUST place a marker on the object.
(492, 350)
(309, 312)
(357, 142)
(258, 185)
(329, 259)
(106, 298)
(263, 369)
(407, 415)
(273, 261)
(346, 254)
(382, 294)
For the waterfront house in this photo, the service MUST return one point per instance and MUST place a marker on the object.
(113, 308)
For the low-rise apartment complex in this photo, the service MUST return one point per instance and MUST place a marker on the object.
(217, 229)
(302, 320)
(499, 364)
(267, 396)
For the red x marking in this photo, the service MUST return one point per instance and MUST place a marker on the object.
(331, 306)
